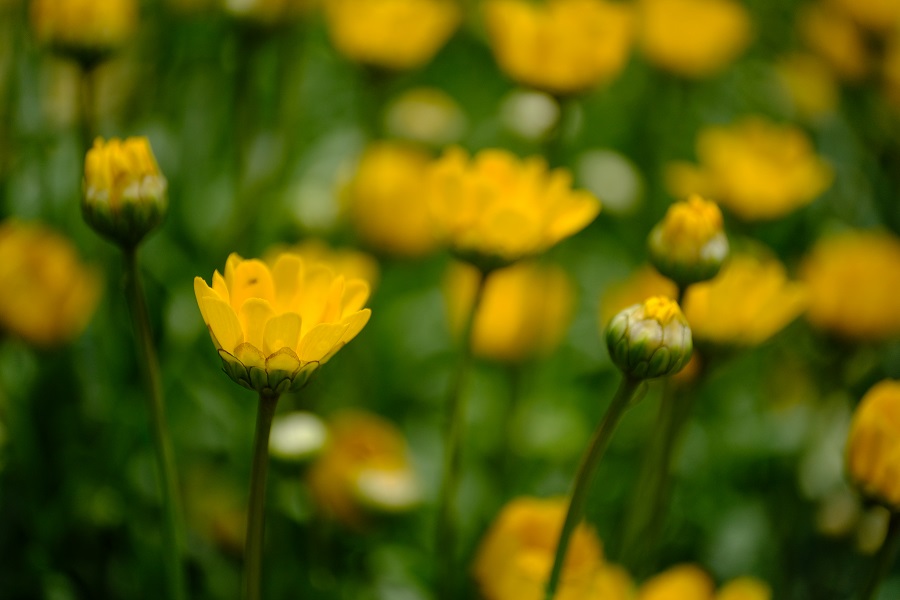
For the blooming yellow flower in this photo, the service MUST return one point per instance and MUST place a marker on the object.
(809, 84)
(525, 310)
(693, 38)
(364, 468)
(747, 303)
(266, 12)
(385, 202)
(350, 263)
(854, 278)
(274, 325)
(394, 34)
(873, 444)
(689, 244)
(48, 295)
(681, 582)
(744, 588)
(85, 28)
(561, 46)
(650, 339)
(836, 39)
(495, 208)
(754, 168)
(124, 192)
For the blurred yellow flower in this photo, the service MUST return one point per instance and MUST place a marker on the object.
(873, 444)
(85, 28)
(693, 38)
(836, 39)
(495, 208)
(48, 295)
(642, 284)
(877, 15)
(385, 202)
(274, 325)
(754, 168)
(394, 34)
(751, 300)
(744, 588)
(809, 83)
(561, 46)
(267, 12)
(681, 582)
(364, 468)
(525, 311)
(854, 279)
(352, 264)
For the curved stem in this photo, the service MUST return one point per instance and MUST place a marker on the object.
(445, 548)
(256, 516)
(589, 461)
(165, 462)
(884, 559)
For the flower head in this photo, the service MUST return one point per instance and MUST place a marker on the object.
(495, 209)
(274, 325)
(561, 46)
(836, 39)
(394, 34)
(681, 582)
(873, 445)
(689, 245)
(649, 340)
(124, 193)
(48, 294)
(87, 29)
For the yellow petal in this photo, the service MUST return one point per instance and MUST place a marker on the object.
(253, 315)
(356, 292)
(355, 323)
(250, 356)
(282, 331)
(332, 310)
(280, 369)
(234, 259)
(201, 291)
(223, 323)
(220, 287)
(320, 340)
(287, 273)
(251, 279)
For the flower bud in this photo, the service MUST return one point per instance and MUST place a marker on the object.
(873, 445)
(650, 340)
(124, 193)
(689, 245)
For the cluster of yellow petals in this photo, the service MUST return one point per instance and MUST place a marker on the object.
(525, 311)
(690, 582)
(561, 46)
(756, 169)
(873, 444)
(498, 208)
(48, 295)
(661, 309)
(351, 263)
(854, 281)
(394, 34)
(274, 325)
(836, 39)
(115, 168)
(515, 556)
(364, 468)
(691, 223)
(693, 38)
(89, 25)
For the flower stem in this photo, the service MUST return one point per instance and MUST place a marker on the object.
(165, 462)
(256, 516)
(589, 461)
(885, 557)
(445, 547)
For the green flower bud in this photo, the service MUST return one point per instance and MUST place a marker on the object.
(650, 340)
(689, 245)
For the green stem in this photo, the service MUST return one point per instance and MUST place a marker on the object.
(884, 559)
(165, 462)
(88, 108)
(256, 517)
(445, 548)
(589, 461)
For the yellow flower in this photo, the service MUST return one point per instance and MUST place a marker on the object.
(48, 295)
(124, 192)
(873, 444)
(350, 263)
(681, 582)
(744, 588)
(754, 168)
(693, 38)
(525, 310)
(85, 28)
(385, 200)
(836, 39)
(364, 468)
(877, 15)
(561, 46)
(643, 284)
(266, 12)
(274, 325)
(650, 339)
(394, 34)
(854, 278)
(750, 301)
(495, 208)
(809, 84)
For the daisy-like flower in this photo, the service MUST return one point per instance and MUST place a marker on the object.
(273, 325)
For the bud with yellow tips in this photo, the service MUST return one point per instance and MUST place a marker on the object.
(650, 340)
(689, 244)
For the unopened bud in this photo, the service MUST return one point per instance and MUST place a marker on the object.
(689, 244)
(650, 340)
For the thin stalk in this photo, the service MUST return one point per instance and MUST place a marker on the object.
(165, 462)
(589, 461)
(445, 548)
(256, 517)
(88, 108)
(884, 559)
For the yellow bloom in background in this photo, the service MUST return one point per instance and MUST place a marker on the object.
(394, 34)
(561, 46)
(756, 169)
(809, 83)
(351, 263)
(644, 283)
(496, 208)
(836, 39)
(681, 582)
(877, 15)
(364, 469)
(751, 300)
(48, 295)
(693, 38)
(274, 325)
(854, 281)
(267, 12)
(385, 201)
(525, 311)
(745, 588)
(873, 444)
(87, 28)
